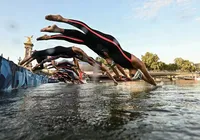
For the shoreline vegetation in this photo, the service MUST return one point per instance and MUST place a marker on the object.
(180, 69)
(153, 63)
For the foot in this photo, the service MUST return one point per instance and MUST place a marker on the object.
(44, 37)
(54, 17)
(52, 29)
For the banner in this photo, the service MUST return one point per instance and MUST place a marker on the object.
(13, 76)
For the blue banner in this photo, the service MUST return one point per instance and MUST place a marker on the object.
(13, 76)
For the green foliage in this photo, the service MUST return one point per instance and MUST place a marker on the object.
(197, 67)
(188, 66)
(150, 60)
(184, 65)
(179, 61)
(171, 67)
(161, 65)
(152, 63)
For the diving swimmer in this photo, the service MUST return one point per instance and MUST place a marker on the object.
(78, 37)
(107, 43)
(66, 52)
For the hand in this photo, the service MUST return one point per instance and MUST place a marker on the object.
(120, 78)
(129, 79)
(115, 83)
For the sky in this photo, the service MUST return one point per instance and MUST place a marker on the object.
(168, 28)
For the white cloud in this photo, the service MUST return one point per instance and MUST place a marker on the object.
(183, 1)
(150, 8)
(197, 19)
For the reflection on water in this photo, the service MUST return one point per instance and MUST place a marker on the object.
(102, 111)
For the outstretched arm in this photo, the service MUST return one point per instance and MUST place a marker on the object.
(77, 69)
(112, 65)
(46, 60)
(76, 63)
(122, 71)
(103, 68)
(92, 62)
(140, 65)
(26, 61)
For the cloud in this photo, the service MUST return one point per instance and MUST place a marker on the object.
(197, 19)
(150, 8)
(182, 1)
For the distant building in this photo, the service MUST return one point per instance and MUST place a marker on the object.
(28, 49)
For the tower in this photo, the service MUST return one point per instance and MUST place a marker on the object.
(28, 49)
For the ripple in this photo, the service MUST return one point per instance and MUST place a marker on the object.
(101, 111)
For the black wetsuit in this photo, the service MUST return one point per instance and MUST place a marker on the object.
(78, 37)
(96, 41)
(39, 60)
(70, 73)
(65, 63)
(58, 50)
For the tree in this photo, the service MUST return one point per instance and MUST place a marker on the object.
(150, 60)
(171, 67)
(179, 62)
(188, 66)
(161, 65)
(184, 65)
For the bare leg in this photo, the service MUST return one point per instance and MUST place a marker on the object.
(73, 36)
(52, 29)
(44, 37)
(78, 24)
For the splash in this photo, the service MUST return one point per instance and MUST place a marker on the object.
(95, 77)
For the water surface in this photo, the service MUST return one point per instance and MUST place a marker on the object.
(102, 111)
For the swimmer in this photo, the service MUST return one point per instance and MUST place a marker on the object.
(65, 64)
(66, 52)
(107, 42)
(77, 37)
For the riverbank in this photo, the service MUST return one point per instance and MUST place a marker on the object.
(162, 75)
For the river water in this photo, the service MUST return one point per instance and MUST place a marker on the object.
(102, 111)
